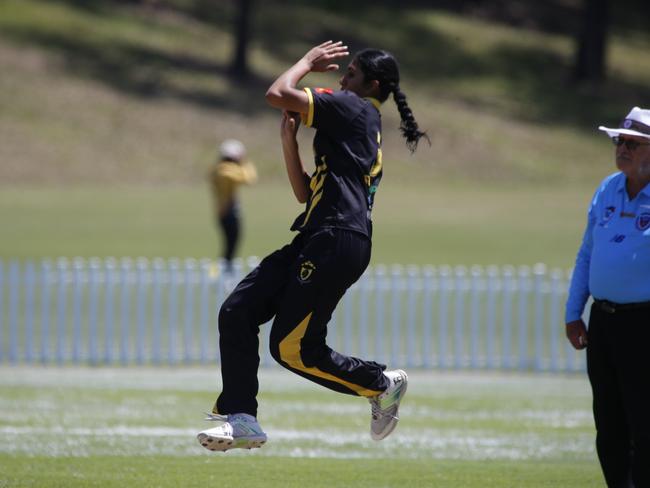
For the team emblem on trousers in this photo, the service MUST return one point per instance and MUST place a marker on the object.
(306, 270)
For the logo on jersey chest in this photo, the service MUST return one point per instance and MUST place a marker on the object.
(643, 221)
(329, 91)
(306, 270)
(607, 215)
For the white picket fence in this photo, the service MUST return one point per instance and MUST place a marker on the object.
(157, 311)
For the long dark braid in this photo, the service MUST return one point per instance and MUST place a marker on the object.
(408, 126)
(381, 66)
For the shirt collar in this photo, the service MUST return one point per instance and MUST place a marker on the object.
(376, 103)
(621, 186)
(646, 190)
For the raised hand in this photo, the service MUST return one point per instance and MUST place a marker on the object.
(289, 125)
(320, 57)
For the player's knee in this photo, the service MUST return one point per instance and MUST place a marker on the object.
(230, 316)
(305, 353)
(313, 355)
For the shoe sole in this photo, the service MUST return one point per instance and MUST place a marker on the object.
(391, 426)
(223, 444)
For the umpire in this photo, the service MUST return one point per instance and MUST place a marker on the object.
(613, 266)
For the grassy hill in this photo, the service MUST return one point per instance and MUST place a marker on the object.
(99, 96)
(138, 91)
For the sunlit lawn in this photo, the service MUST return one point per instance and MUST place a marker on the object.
(136, 427)
(455, 224)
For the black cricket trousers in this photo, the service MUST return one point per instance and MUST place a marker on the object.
(619, 373)
(300, 285)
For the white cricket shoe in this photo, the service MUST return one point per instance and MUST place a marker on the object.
(238, 430)
(385, 406)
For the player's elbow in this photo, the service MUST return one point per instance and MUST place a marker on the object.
(274, 97)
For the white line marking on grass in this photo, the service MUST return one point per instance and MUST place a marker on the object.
(432, 443)
(144, 411)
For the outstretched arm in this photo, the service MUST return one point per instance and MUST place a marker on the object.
(298, 177)
(283, 93)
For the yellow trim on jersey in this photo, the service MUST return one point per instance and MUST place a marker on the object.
(317, 183)
(376, 168)
(314, 202)
(375, 102)
(316, 186)
(309, 120)
(290, 354)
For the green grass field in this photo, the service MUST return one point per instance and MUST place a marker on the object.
(137, 92)
(112, 111)
(72, 427)
(414, 223)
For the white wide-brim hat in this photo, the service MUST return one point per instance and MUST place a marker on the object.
(232, 150)
(637, 123)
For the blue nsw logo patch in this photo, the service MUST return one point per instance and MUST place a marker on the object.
(643, 221)
(607, 215)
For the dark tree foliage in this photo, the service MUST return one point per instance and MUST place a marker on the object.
(242, 30)
(592, 41)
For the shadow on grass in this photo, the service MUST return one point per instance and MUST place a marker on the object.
(144, 72)
(537, 79)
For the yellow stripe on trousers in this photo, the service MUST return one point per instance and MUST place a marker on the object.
(290, 354)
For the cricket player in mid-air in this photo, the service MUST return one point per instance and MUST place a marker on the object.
(301, 283)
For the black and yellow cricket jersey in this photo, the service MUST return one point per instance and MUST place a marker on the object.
(347, 151)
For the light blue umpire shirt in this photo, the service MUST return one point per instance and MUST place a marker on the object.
(613, 262)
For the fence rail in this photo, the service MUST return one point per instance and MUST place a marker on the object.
(156, 311)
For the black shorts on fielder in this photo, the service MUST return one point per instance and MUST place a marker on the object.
(300, 285)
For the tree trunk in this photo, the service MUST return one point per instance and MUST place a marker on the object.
(239, 65)
(592, 42)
